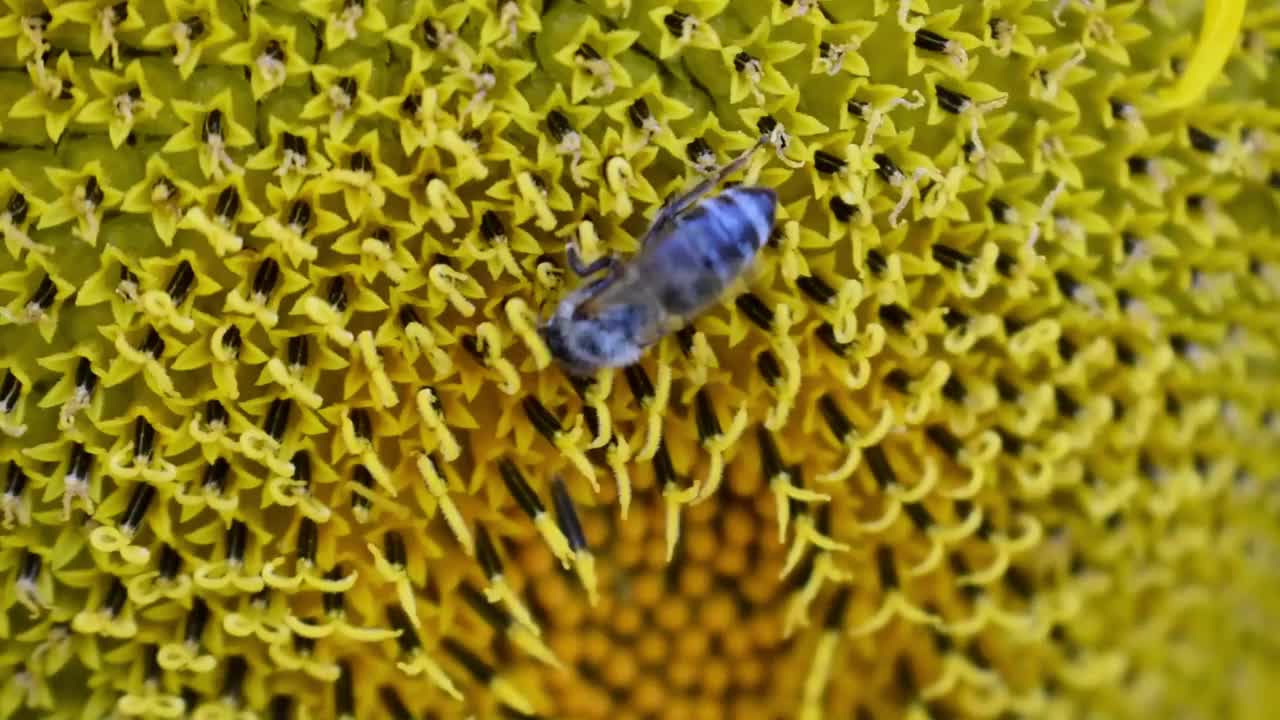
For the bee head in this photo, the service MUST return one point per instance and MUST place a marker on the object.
(553, 335)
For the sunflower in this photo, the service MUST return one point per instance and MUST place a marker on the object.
(990, 433)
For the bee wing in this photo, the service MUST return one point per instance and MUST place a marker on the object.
(637, 289)
(664, 325)
(673, 207)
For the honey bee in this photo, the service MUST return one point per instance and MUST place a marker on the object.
(692, 253)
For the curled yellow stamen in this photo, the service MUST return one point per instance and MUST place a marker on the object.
(109, 540)
(422, 335)
(1219, 33)
(824, 572)
(151, 368)
(957, 669)
(673, 497)
(617, 456)
(149, 587)
(152, 704)
(655, 410)
(702, 360)
(309, 629)
(784, 492)
(294, 384)
(498, 591)
(895, 604)
(220, 236)
(854, 444)
(379, 383)
(159, 304)
(522, 320)
(383, 255)
(716, 446)
(439, 490)
(101, 622)
(257, 445)
(254, 623)
(428, 412)
(283, 655)
(491, 342)
(815, 684)
(844, 319)
(807, 534)
(398, 576)
(287, 492)
(618, 176)
(596, 398)
(569, 443)
(185, 657)
(330, 318)
(419, 662)
(447, 281)
(306, 574)
(536, 198)
(122, 465)
(788, 387)
(223, 575)
(926, 393)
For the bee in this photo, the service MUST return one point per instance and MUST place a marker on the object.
(692, 253)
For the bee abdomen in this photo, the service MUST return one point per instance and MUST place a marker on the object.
(684, 295)
(712, 247)
(745, 216)
(728, 231)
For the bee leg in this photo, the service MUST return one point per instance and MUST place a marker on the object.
(606, 262)
(672, 207)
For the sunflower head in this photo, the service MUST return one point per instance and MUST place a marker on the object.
(295, 419)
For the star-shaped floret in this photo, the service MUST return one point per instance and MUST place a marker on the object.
(491, 84)
(296, 222)
(164, 195)
(55, 95)
(421, 112)
(343, 98)
(221, 212)
(127, 100)
(347, 20)
(359, 173)
(679, 29)
(835, 48)
(274, 52)
(430, 35)
(212, 128)
(192, 29)
(754, 65)
(293, 155)
(645, 112)
(503, 29)
(18, 215)
(105, 18)
(84, 196)
(591, 54)
(39, 291)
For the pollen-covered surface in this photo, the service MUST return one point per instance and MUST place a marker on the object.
(993, 434)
